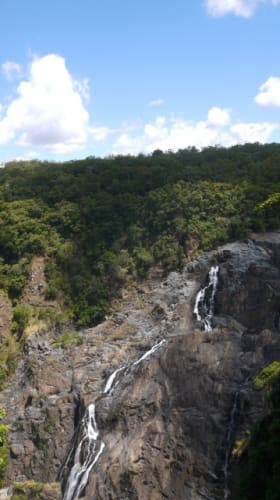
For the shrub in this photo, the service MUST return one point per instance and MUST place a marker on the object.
(21, 316)
(68, 340)
(4, 447)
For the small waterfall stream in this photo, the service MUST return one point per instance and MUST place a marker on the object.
(205, 300)
(111, 380)
(87, 454)
(229, 442)
(90, 446)
(149, 353)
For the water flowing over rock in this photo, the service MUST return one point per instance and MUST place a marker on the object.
(229, 442)
(110, 382)
(86, 455)
(88, 450)
(161, 396)
(205, 300)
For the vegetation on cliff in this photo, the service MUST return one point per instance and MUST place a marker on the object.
(260, 467)
(101, 222)
(4, 447)
(32, 490)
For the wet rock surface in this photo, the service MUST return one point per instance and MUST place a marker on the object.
(165, 423)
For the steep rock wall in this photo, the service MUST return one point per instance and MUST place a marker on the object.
(166, 425)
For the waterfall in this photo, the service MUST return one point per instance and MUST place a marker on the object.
(87, 454)
(205, 300)
(148, 353)
(90, 444)
(228, 445)
(111, 380)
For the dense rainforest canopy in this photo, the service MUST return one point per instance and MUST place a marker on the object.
(102, 222)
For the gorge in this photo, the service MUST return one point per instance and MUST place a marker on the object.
(149, 405)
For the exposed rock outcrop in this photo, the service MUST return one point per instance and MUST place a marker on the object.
(165, 424)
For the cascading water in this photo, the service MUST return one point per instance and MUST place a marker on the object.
(90, 444)
(229, 441)
(87, 454)
(205, 300)
(149, 353)
(111, 380)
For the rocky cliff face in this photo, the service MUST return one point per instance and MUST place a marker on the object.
(169, 421)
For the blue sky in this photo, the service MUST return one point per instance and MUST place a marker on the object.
(101, 77)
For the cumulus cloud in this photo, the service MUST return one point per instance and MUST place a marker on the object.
(156, 102)
(48, 110)
(29, 155)
(269, 94)
(218, 117)
(252, 132)
(175, 133)
(82, 86)
(11, 70)
(101, 133)
(242, 8)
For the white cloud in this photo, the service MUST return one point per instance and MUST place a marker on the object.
(157, 130)
(242, 8)
(156, 102)
(218, 117)
(29, 155)
(82, 87)
(48, 110)
(269, 94)
(177, 134)
(100, 134)
(11, 70)
(252, 132)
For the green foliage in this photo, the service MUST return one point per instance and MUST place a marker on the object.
(272, 201)
(143, 260)
(31, 490)
(268, 375)
(4, 446)
(9, 355)
(260, 477)
(27, 490)
(261, 466)
(68, 340)
(13, 277)
(101, 223)
(21, 316)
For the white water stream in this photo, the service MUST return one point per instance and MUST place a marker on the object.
(149, 353)
(90, 445)
(205, 300)
(228, 445)
(87, 454)
(111, 380)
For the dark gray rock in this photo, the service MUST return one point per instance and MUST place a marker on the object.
(165, 424)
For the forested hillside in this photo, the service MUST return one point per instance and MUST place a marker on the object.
(101, 222)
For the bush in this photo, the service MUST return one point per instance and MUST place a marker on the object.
(4, 448)
(31, 490)
(267, 376)
(51, 291)
(68, 340)
(21, 316)
(261, 468)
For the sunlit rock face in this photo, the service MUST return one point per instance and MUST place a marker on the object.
(167, 421)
